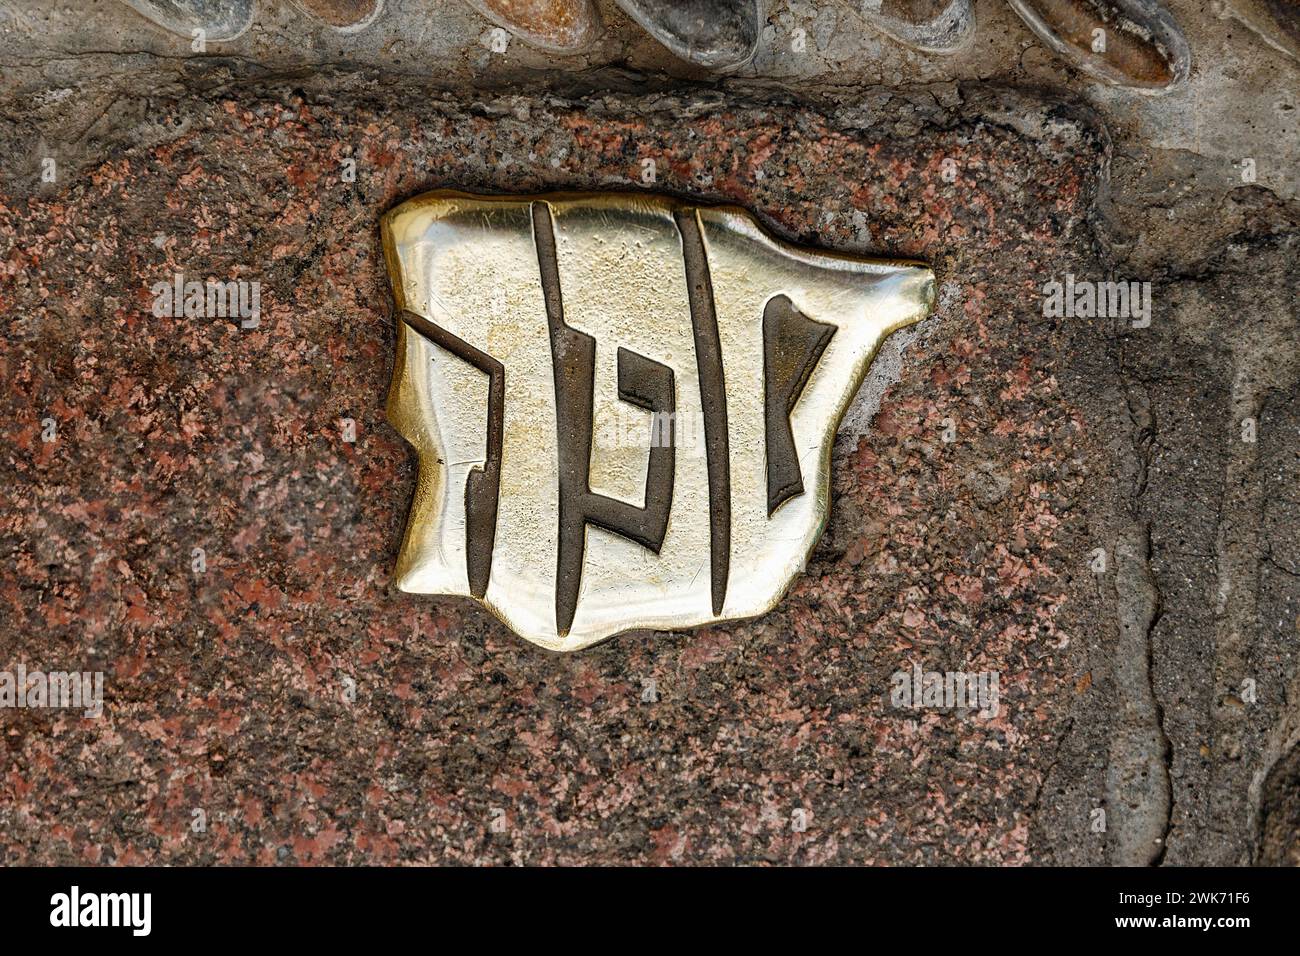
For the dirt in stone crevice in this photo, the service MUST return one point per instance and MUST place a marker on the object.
(1279, 812)
(1184, 504)
(1220, 351)
(1138, 789)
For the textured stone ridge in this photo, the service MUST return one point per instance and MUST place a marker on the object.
(225, 691)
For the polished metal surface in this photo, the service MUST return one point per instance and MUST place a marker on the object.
(623, 405)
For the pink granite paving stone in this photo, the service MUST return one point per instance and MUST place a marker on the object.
(1073, 484)
(321, 716)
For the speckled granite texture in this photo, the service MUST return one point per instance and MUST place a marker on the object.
(225, 690)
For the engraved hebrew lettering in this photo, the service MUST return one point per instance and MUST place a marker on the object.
(531, 328)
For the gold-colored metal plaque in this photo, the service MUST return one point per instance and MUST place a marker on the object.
(623, 405)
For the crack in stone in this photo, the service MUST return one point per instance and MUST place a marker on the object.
(1138, 790)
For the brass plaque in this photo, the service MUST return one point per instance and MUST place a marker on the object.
(623, 405)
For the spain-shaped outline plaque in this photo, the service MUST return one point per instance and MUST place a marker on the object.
(623, 405)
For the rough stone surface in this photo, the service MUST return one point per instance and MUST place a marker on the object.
(225, 687)
(1123, 690)
(560, 25)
